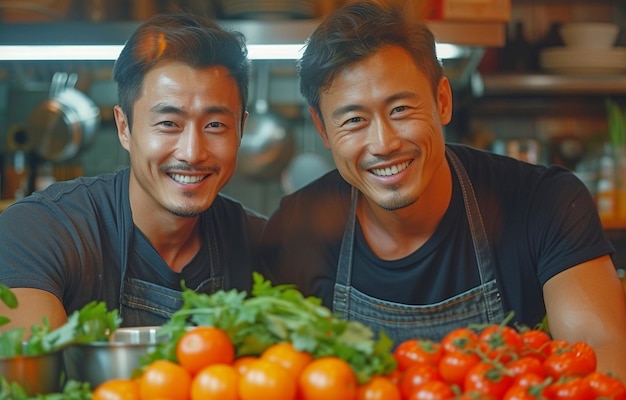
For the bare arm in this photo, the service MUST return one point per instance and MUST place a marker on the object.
(587, 303)
(33, 305)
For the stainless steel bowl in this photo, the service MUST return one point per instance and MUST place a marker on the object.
(35, 374)
(101, 361)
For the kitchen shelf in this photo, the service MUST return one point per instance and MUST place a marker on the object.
(468, 33)
(552, 84)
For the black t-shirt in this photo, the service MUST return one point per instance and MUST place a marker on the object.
(539, 221)
(73, 238)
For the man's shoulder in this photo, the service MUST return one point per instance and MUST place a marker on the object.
(87, 190)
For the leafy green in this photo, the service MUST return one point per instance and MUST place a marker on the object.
(73, 390)
(8, 298)
(91, 323)
(275, 314)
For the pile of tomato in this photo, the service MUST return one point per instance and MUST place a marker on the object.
(497, 362)
(500, 362)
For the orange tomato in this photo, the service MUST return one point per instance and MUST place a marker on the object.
(216, 382)
(202, 346)
(266, 380)
(242, 364)
(116, 389)
(288, 356)
(328, 378)
(164, 379)
(378, 388)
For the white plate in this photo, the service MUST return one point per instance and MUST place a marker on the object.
(574, 60)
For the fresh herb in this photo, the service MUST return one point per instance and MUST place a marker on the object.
(8, 298)
(276, 314)
(73, 390)
(89, 324)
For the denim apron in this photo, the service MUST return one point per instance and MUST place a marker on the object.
(147, 304)
(400, 322)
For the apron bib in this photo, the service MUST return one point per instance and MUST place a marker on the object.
(145, 303)
(479, 305)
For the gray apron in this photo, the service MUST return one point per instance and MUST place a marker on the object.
(147, 304)
(479, 305)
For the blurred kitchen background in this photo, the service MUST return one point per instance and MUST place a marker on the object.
(518, 90)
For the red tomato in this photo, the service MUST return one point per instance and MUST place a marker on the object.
(605, 386)
(519, 393)
(415, 351)
(489, 379)
(570, 389)
(536, 343)
(433, 390)
(501, 343)
(578, 359)
(454, 366)
(417, 375)
(529, 379)
(524, 365)
(378, 388)
(461, 339)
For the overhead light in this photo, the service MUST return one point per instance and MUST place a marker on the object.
(111, 52)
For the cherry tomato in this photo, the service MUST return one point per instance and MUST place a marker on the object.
(288, 357)
(378, 388)
(202, 346)
(116, 389)
(501, 343)
(454, 366)
(416, 375)
(328, 378)
(487, 378)
(578, 359)
(524, 365)
(460, 339)
(519, 393)
(575, 388)
(164, 379)
(266, 380)
(528, 379)
(605, 386)
(536, 343)
(216, 382)
(433, 390)
(415, 351)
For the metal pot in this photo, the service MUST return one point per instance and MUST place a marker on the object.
(97, 362)
(40, 374)
(65, 123)
(267, 144)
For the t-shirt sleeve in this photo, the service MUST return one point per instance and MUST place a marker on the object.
(567, 226)
(37, 247)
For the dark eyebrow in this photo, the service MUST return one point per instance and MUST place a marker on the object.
(355, 107)
(170, 109)
(346, 109)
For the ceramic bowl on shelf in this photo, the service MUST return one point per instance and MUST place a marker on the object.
(597, 35)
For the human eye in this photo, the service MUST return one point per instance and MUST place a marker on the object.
(352, 121)
(167, 126)
(399, 109)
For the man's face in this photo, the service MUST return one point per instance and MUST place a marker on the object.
(383, 126)
(187, 126)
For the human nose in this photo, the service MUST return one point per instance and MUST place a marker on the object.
(192, 145)
(384, 138)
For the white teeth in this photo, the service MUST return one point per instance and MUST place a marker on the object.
(391, 170)
(187, 178)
